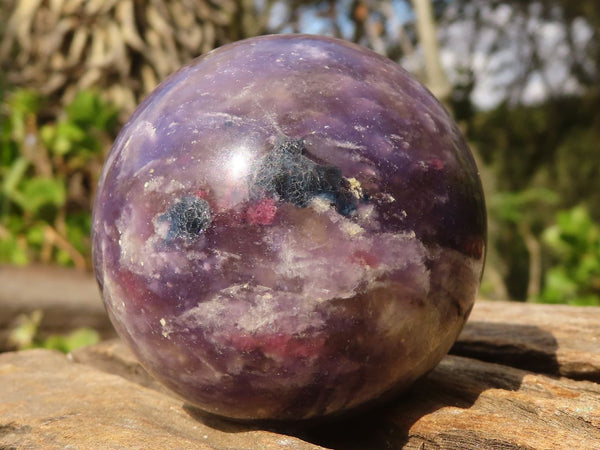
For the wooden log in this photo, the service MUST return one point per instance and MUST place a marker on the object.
(470, 404)
(521, 376)
(51, 403)
(552, 339)
(462, 404)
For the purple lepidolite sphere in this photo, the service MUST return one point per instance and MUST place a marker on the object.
(289, 227)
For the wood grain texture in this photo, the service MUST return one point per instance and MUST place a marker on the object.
(50, 402)
(462, 404)
(552, 339)
(521, 376)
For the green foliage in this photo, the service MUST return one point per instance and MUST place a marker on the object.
(521, 143)
(574, 276)
(25, 335)
(520, 217)
(525, 205)
(48, 170)
(543, 158)
(81, 337)
(38, 192)
(81, 130)
(576, 172)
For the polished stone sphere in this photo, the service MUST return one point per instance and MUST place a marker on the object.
(289, 227)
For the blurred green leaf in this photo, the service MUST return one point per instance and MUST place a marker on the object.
(22, 104)
(35, 234)
(63, 258)
(560, 287)
(8, 148)
(13, 223)
(13, 176)
(78, 230)
(513, 207)
(71, 148)
(83, 108)
(88, 109)
(574, 243)
(22, 336)
(67, 136)
(11, 252)
(25, 101)
(78, 338)
(38, 192)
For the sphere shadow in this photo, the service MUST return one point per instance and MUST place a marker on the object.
(499, 360)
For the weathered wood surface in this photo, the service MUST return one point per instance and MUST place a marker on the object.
(50, 402)
(554, 339)
(520, 376)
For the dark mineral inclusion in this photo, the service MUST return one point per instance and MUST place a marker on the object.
(293, 177)
(187, 218)
(287, 173)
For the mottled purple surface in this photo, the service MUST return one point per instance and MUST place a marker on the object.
(289, 227)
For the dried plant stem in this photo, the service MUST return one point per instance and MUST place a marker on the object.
(52, 236)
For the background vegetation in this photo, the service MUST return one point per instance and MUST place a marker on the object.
(521, 77)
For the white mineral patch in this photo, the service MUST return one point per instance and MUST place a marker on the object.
(300, 259)
(161, 227)
(144, 128)
(355, 187)
(430, 123)
(160, 184)
(222, 117)
(253, 310)
(351, 229)
(367, 217)
(320, 205)
(129, 241)
(165, 332)
(311, 51)
(387, 198)
(172, 128)
(345, 144)
(405, 143)
(222, 256)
